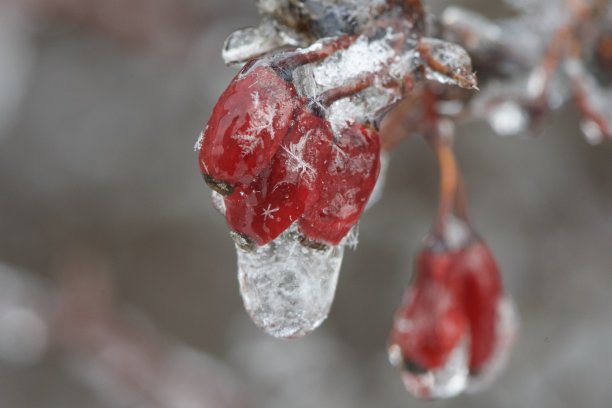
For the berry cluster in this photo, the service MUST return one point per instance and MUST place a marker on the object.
(276, 160)
(451, 329)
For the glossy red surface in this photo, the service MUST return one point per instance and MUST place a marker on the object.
(264, 208)
(247, 125)
(345, 183)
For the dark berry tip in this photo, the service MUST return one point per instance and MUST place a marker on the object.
(415, 368)
(245, 243)
(220, 187)
(312, 244)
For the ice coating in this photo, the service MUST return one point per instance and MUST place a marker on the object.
(323, 17)
(506, 329)
(380, 182)
(218, 203)
(452, 56)
(251, 42)
(288, 288)
(376, 56)
(372, 56)
(443, 382)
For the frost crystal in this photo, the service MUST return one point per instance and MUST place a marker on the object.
(296, 163)
(261, 119)
(287, 287)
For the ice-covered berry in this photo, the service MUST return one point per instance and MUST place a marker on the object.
(481, 293)
(430, 323)
(247, 126)
(264, 208)
(346, 185)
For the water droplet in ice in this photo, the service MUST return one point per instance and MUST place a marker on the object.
(444, 382)
(507, 326)
(508, 119)
(288, 288)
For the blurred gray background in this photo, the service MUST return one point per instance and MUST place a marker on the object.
(98, 117)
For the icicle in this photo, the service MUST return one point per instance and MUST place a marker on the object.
(288, 288)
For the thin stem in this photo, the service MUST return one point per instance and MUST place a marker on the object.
(298, 59)
(332, 95)
(461, 203)
(440, 138)
(449, 180)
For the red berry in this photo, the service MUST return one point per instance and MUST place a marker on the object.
(247, 125)
(267, 206)
(345, 185)
(481, 293)
(430, 324)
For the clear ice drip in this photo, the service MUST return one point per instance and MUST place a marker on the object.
(444, 382)
(287, 287)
